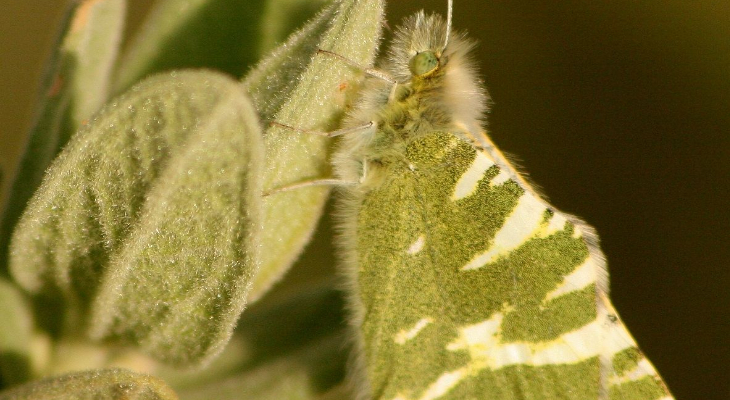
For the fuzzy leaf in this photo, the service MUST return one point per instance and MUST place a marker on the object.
(75, 85)
(340, 392)
(180, 283)
(159, 197)
(108, 384)
(273, 80)
(281, 16)
(276, 327)
(225, 35)
(303, 375)
(95, 190)
(296, 87)
(15, 333)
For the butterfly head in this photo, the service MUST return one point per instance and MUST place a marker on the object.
(424, 63)
(420, 45)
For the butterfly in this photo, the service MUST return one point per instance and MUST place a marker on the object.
(464, 283)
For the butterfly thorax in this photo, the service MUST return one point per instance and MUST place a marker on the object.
(415, 110)
(436, 92)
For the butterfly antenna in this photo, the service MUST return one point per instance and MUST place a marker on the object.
(449, 14)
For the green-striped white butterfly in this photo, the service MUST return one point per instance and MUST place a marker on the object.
(465, 283)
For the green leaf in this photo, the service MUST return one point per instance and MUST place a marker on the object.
(340, 392)
(93, 41)
(95, 190)
(315, 101)
(303, 375)
(225, 35)
(280, 16)
(192, 33)
(158, 199)
(15, 335)
(108, 384)
(270, 82)
(275, 327)
(180, 283)
(75, 85)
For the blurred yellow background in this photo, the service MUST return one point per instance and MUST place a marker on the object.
(619, 110)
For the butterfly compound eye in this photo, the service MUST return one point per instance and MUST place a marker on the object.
(423, 63)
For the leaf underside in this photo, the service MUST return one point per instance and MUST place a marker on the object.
(152, 213)
(107, 384)
(74, 86)
(310, 92)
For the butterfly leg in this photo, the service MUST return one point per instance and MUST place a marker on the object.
(323, 181)
(338, 132)
(309, 183)
(376, 73)
(370, 71)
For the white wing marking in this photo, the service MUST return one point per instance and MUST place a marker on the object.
(581, 277)
(417, 246)
(405, 335)
(467, 184)
(522, 224)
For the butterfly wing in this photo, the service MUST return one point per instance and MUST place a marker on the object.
(467, 285)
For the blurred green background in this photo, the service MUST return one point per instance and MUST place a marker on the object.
(619, 110)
